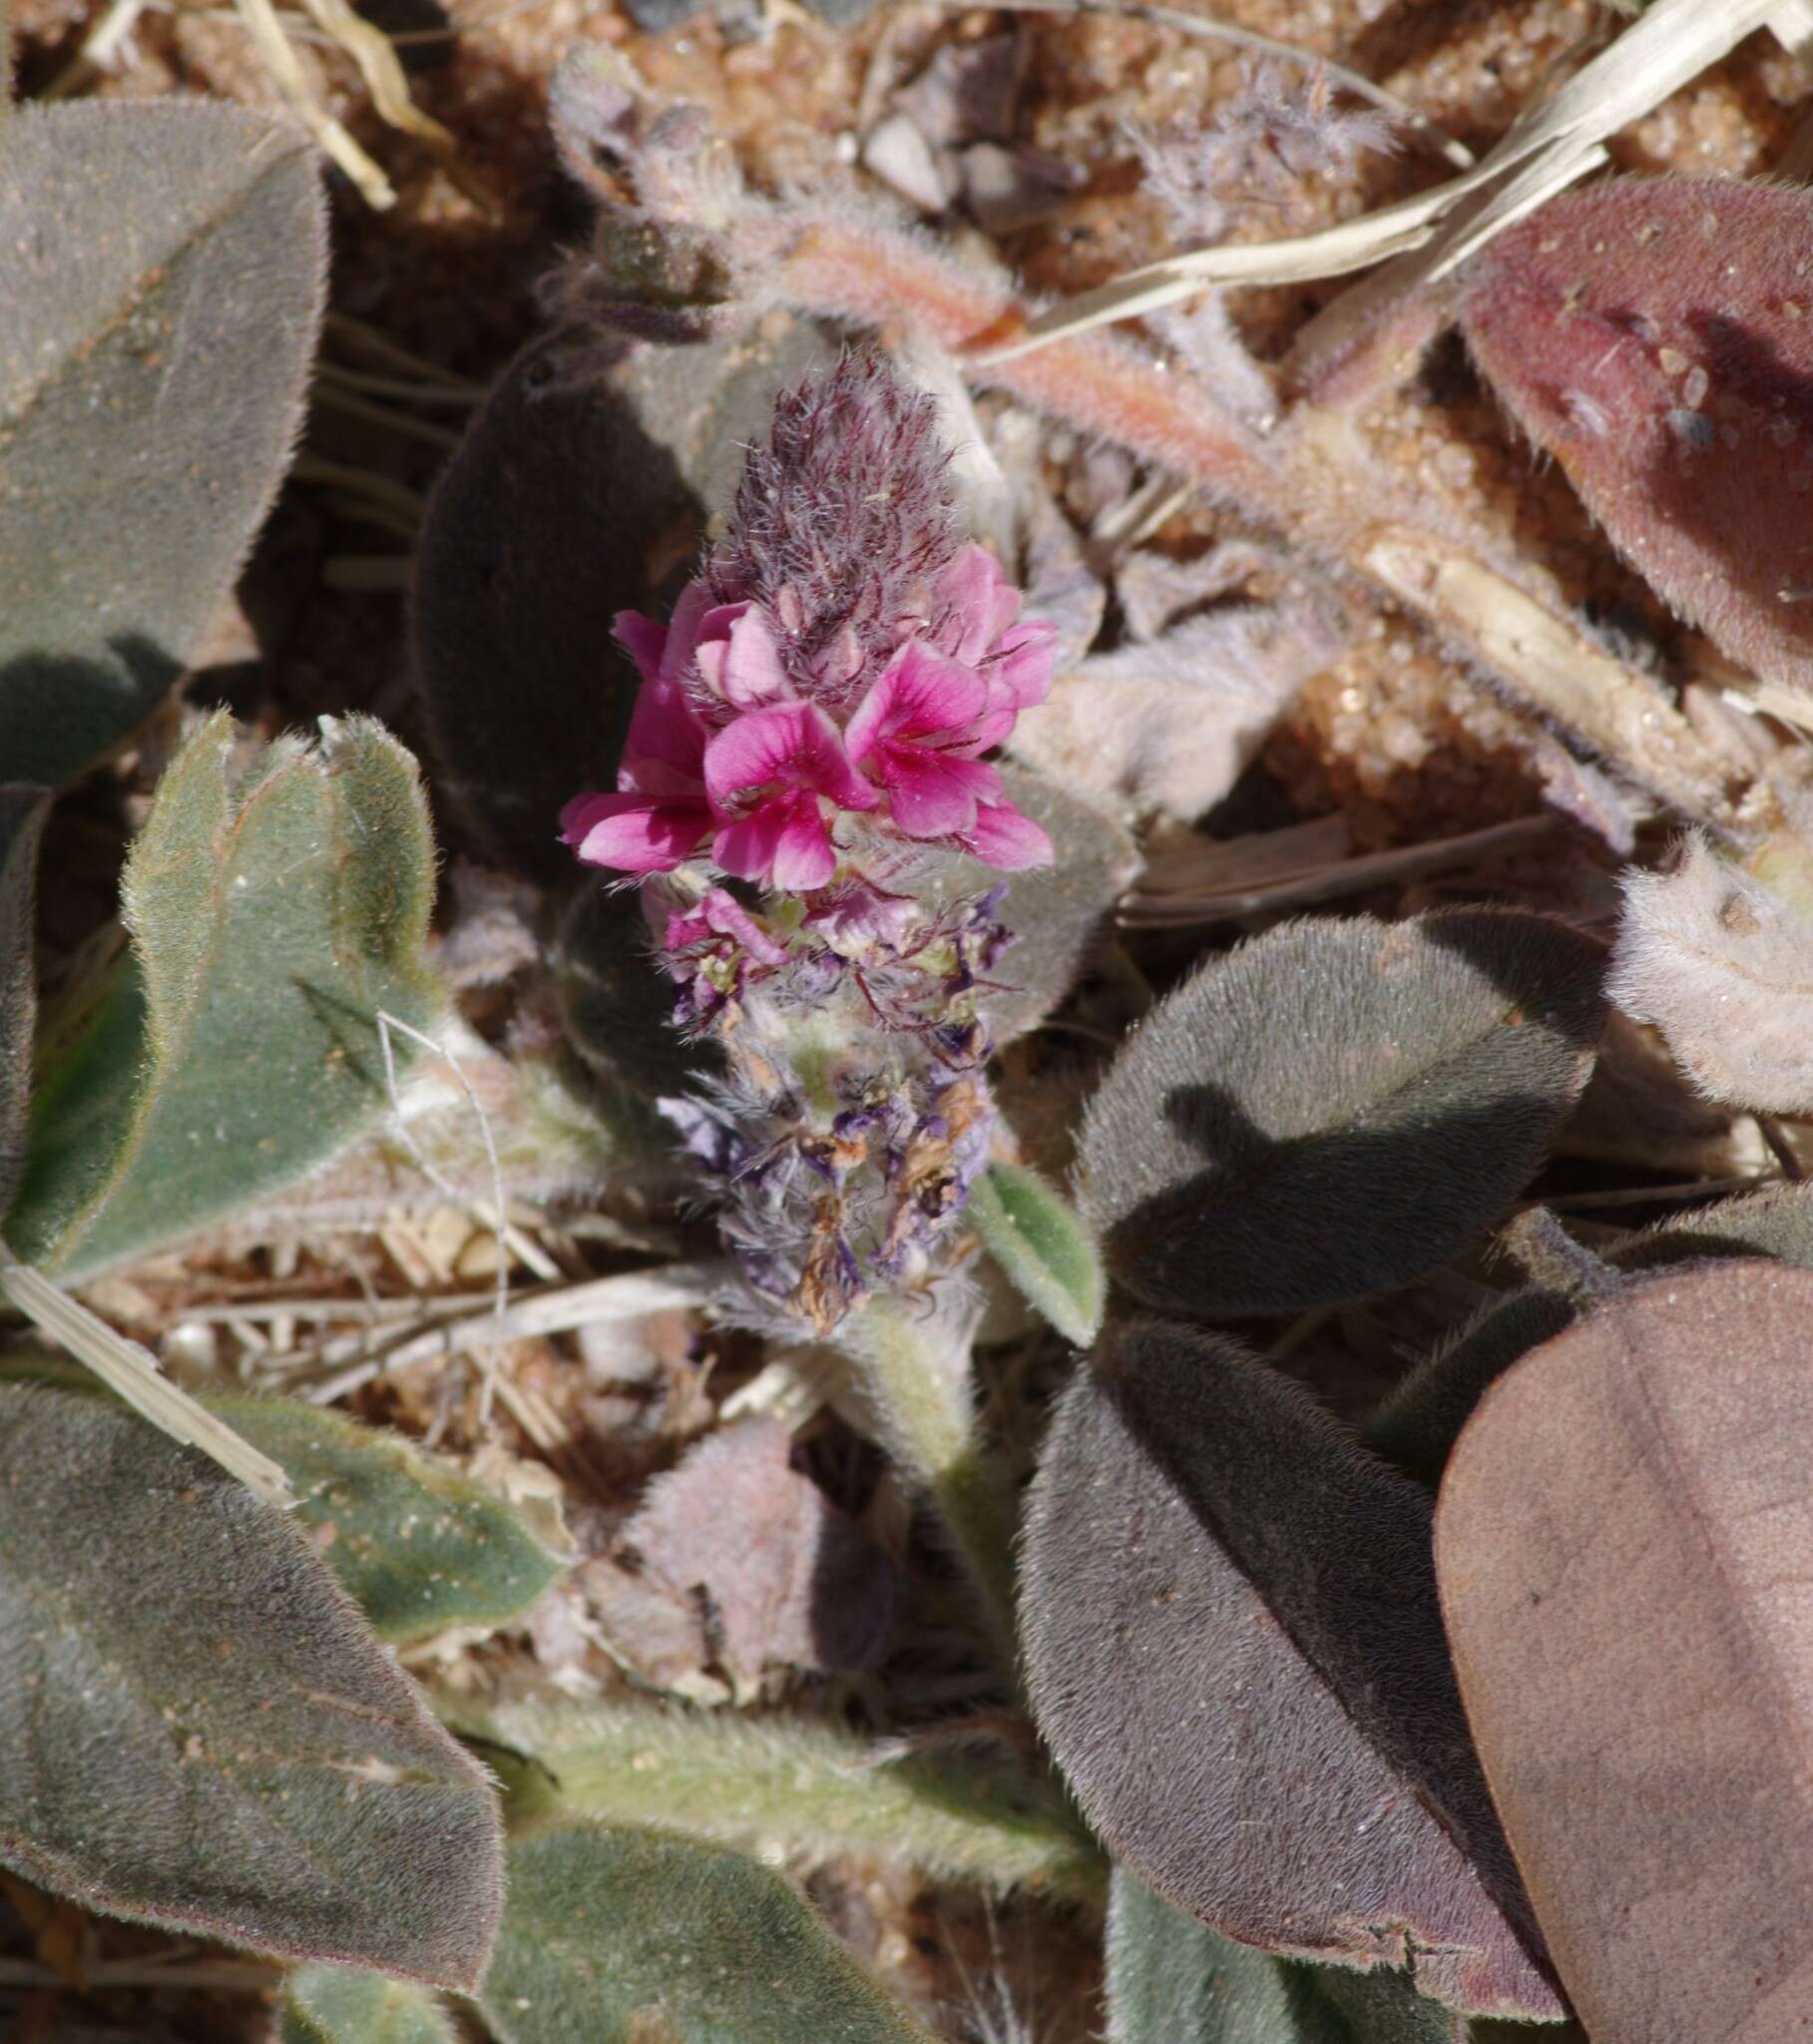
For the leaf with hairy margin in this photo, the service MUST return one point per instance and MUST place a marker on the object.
(273, 916)
(1720, 960)
(617, 1935)
(23, 810)
(197, 1729)
(417, 1545)
(327, 2005)
(1416, 1427)
(1335, 1108)
(1034, 1234)
(1651, 334)
(162, 273)
(1233, 1649)
(1634, 1643)
(1172, 1980)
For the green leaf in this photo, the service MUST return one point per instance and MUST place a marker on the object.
(274, 915)
(325, 2005)
(161, 279)
(616, 1935)
(196, 1729)
(953, 1813)
(1335, 1108)
(1172, 1980)
(21, 812)
(1033, 1232)
(415, 1544)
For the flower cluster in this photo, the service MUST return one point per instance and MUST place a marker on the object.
(812, 723)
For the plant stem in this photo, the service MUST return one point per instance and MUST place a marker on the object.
(916, 1376)
(1312, 477)
(956, 1812)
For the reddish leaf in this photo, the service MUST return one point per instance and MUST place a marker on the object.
(738, 1560)
(1656, 336)
(1621, 1546)
(1233, 1648)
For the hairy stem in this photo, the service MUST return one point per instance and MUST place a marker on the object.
(917, 1381)
(956, 1812)
(1312, 478)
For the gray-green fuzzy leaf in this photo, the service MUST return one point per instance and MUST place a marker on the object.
(1172, 1980)
(21, 812)
(197, 1729)
(1335, 1108)
(415, 1544)
(1233, 1649)
(1033, 1232)
(327, 2005)
(272, 917)
(616, 1935)
(162, 278)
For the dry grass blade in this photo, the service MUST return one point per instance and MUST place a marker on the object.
(382, 72)
(133, 1374)
(1555, 145)
(273, 46)
(1210, 30)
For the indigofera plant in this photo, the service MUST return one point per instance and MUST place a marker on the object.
(810, 721)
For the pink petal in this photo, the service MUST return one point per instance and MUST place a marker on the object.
(1004, 838)
(727, 915)
(782, 842)
(785, 745)
(982, 603)
(1025, 660)
(637, 835)
(933, 794)
(665, 733)
(919, 693)
(643, 639)
(739, 659)
(694, 604)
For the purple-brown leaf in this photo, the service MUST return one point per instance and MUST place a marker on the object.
(1656, 336)
(1233, 1648)
(1623, 1545)
(735, 1560)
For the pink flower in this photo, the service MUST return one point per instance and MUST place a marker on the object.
(768, 775)
(656, 820)
(1004, 838)
(976, 621)
(917, 733)
(720, 915)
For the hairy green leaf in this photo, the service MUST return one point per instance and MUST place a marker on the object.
(21, 812)
(1620, 1543)
(325, 2005)
(1335, 1108)
(1172, 1980)
(162, 278)
(1233, 1649)
(956, 1814)
(1034, 1234)
(416, 1545)
(616, 1935)
(197, 1729)
(274, 915)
